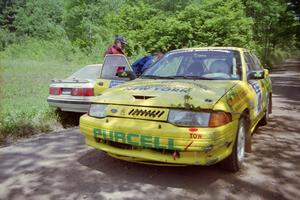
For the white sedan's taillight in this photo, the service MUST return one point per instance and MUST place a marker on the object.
(55, 90)
(82, 92)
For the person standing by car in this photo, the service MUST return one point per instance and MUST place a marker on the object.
(118, 46)
(142, 64)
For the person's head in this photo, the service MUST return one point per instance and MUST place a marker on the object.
(158, 55)
(120, 41)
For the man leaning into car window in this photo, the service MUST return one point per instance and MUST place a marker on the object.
(118, 46)
(145, 62)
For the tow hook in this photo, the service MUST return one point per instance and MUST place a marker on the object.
(176, 155)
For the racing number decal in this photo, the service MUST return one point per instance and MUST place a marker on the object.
(258, 96)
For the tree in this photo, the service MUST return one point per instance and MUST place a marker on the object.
(211, 23)
(40, 19)
(168, 6)
(84, 21)
(274, 24)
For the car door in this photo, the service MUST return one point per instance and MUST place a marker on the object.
(265, 82)
(108, 75)
(257, 86)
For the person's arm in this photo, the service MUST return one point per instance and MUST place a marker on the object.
(137, 65)
(150, 60)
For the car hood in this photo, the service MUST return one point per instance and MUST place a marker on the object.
(189, 94)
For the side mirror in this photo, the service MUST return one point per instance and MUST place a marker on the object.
(266, 72)
(256, 75)
(126, 74)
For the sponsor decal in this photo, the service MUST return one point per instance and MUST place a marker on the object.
(115, 83)
(160, 88)
(235, 97)
(193, 129)
(134, 139)
(184, 83)
(195, 136)
(259, 97)
(188, 145)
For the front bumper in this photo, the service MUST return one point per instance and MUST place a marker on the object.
(155, 142)
(81, 106)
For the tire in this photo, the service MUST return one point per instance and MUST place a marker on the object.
(264, 121)
(233, 162)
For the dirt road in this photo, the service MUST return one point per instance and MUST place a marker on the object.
(60, 166)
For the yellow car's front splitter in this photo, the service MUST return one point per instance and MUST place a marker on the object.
(160, 143)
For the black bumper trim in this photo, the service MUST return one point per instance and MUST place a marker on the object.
(68, 102)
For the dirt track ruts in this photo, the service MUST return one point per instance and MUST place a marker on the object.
(60, 166)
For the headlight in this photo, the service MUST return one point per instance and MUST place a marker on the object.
(188, 118)
(97, 110)
(202, 119)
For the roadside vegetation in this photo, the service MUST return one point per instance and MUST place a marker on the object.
(41, 40)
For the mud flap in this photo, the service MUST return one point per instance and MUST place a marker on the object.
(248, 145)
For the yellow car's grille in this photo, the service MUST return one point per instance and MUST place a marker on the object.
(137, 112)
(146, 113)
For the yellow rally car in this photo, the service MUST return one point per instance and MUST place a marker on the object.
(192, 107)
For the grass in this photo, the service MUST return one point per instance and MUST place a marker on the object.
(26, 70)
(24, 109)
(25, 74)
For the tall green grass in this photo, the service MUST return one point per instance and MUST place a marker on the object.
(26, 72)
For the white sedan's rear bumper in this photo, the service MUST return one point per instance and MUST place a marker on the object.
(81, 106)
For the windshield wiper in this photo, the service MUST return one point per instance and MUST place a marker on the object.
(157, 77)
(194, 77)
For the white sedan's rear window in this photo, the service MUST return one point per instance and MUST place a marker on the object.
(90, 72)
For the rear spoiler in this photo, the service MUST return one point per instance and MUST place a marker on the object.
(69, 81)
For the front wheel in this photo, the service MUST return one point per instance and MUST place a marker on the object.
(234, 161)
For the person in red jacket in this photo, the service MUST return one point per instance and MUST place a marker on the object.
(118, 46)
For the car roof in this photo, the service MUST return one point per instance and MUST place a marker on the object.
(93, 65)
(210, 48)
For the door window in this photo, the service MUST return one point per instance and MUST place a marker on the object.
(250, 65)
(257, 65)
(112, 65)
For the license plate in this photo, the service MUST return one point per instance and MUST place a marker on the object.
(66, 91)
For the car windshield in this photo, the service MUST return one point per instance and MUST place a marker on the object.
(90, 72)
(216, 64)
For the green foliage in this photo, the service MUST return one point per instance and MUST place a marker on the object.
(40, 19)
(153, 25)
(167, 6)
(84, 21)
(218, 23)
(274, 25)
(211, 23)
